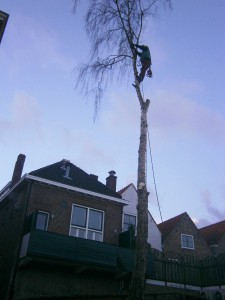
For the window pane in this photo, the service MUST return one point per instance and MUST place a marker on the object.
(95, 220)
(128, 222)
(81, 233)
(93, 235)
(42, 221)
(73, 231)
(77, 232)
(79, 216)
(187, 241)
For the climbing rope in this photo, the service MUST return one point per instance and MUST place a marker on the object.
(153, 173)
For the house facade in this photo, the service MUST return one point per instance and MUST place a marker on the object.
(50, 207)
(129, 193)
(214, 235)
(181, 237)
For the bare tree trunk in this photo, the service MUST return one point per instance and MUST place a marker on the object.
(140, 262)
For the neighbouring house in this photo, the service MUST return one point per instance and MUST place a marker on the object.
(181, 237)
(214, 235)
(3, 21)
(129, 193)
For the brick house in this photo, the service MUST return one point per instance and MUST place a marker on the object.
(48, 207)
(59, 235)
(129, 193)
(181, 237)
(214, 235)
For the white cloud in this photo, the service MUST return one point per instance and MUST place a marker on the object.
(213, 211)
(175, 113)
(34, 43)
(24, 116)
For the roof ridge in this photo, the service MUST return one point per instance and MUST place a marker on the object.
(173, 218)
(125, 188)
(211, 225)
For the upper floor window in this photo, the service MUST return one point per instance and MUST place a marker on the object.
(42, 220)
(87, 223)
(187, 241)
(129, 221)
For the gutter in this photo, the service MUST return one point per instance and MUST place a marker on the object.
(76, 189)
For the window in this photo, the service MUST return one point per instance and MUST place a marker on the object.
(42, 220)
(187, 241)
(87, 223)
(128, 222)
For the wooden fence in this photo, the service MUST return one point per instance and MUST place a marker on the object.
(189, 271)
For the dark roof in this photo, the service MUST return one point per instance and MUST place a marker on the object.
(167, 226)
(213, 233)
(76, 178)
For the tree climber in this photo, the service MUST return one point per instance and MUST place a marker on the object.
(146, 62)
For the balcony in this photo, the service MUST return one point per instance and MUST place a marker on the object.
(88, 255)
(39, 244)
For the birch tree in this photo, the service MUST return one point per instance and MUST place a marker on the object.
(113, 26)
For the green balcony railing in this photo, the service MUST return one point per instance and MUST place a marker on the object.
(88, 253)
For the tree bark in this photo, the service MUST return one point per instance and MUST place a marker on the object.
(140, 261)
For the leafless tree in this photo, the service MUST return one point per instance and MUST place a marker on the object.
(113, 26)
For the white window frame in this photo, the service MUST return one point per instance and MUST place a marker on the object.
(86, 229)
(46, 213)
(188, 235)
(132, 215)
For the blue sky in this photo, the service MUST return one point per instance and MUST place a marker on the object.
(43, 116)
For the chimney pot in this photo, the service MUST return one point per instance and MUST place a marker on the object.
(111, 180)
(18, 169)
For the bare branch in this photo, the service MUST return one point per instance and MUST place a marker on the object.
(113, 26)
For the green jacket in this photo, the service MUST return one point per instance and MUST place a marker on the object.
(145, 54)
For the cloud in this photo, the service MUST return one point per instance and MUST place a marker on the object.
(24, 116)
(214, 212)
(201, 222)
(35, 43)
(175, 113)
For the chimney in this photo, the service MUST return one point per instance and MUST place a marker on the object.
(111, 181)
(18, 169)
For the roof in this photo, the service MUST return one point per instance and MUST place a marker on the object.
(213, 233)
(126, 188)
(64, 172)
(167, 226)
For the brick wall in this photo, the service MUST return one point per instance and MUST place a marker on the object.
(42, 280)
(12, 212)
(173, 241)
(58, 203)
